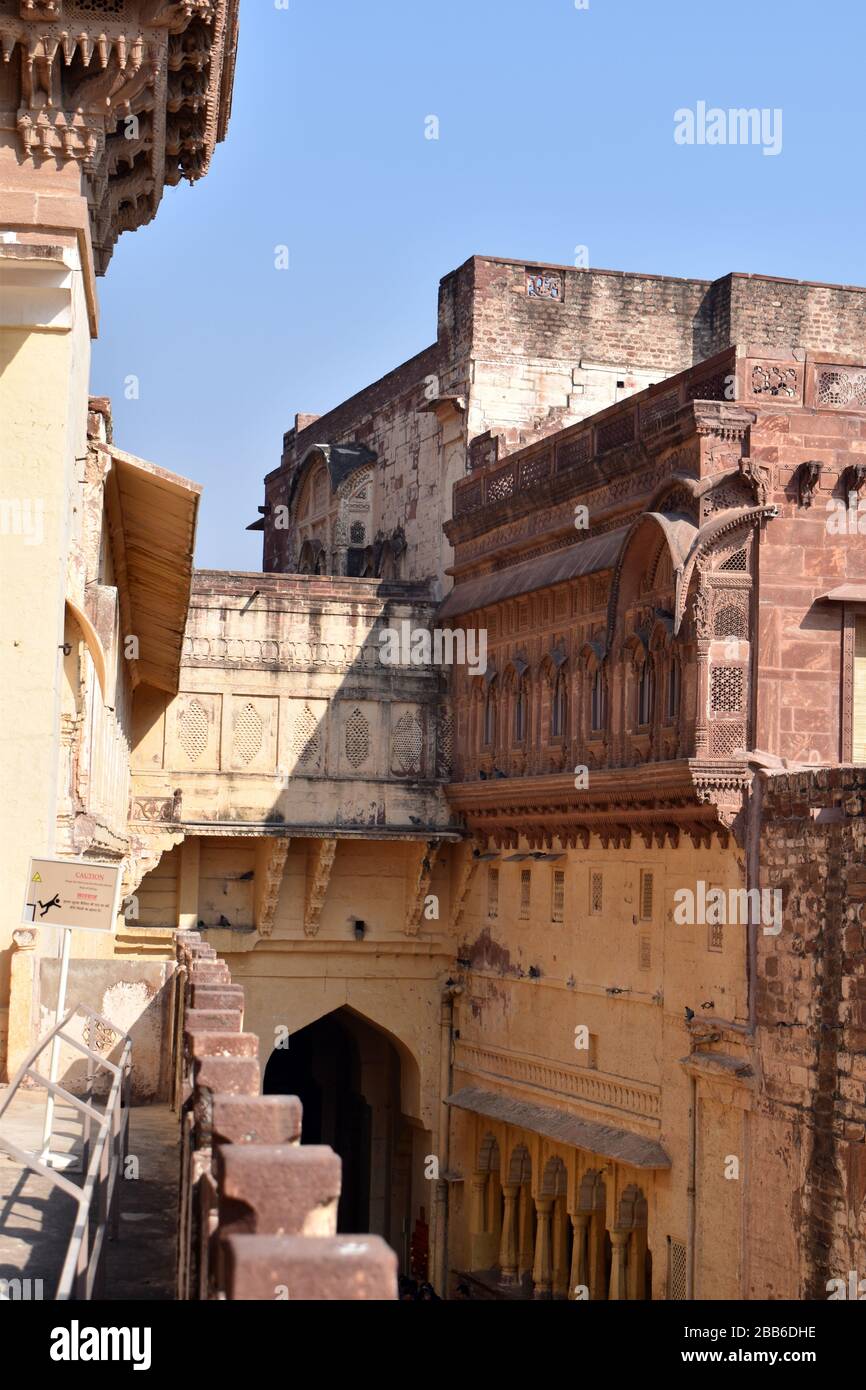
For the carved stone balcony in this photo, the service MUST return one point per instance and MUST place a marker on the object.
(136, 92)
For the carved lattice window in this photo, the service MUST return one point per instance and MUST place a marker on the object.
(192, 730)
(726, 689)
(737, 562)
(501, 485)
(407, 743)
(731, 620)
(306, 740)
(676, 1269)
(444, 744)
(596, 893)
(493, 893)
(728, 741)
(646, 895)
(100, 6)
(644, 961)
(557, 906)
(525, 894)
(357, 533)
(249, 732)
(357, 738)
(838, 388)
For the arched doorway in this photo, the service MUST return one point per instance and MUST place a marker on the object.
(347, 1074)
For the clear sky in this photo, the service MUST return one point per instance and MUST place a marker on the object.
(556, 130)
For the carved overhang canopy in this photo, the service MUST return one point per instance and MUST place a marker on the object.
(136, 92)
(341, 461)
(611, 1141)
(585, 557)
(657, 801)
(152, 519)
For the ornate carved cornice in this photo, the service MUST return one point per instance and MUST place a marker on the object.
(656, 801)
(136, 93)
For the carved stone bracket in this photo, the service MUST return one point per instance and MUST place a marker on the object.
(808, 477)
(268, 891)
(320, 861)
(472, 849)
(854, 481)
(424, 862)
(758, 477)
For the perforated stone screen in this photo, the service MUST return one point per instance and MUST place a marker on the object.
(357, 738)
(192, 730)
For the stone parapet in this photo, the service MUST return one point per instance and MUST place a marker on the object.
(258, 1212)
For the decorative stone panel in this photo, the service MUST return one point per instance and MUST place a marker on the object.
(357, 733)
(252, 733)
(193, 733)
(303, 740)
(407, 741)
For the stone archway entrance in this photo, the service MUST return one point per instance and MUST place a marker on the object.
(347, 1075)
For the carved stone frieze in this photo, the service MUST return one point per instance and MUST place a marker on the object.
(150, 75)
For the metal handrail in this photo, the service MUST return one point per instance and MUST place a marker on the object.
(102, 1161)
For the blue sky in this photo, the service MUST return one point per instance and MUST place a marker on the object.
(555, 130)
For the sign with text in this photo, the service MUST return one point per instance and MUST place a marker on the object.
(72, 893)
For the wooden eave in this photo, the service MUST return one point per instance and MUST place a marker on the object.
(152, 517)
(652, 795)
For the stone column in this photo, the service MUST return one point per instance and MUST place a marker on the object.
(579, 1261)
(542, 1269)
(525, 1244)
(476, 1219)
(618, 1269)
(508, 1255)
(560, 1249)
(637, 1264)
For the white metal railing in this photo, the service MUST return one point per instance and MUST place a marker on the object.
(104, 1137)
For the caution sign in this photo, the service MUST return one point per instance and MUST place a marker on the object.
(72, 893)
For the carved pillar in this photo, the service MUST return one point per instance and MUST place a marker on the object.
(579, 1251)
(619, 1266)
(560, 1249)
(542, 1269)
(508, 1255)
(477, 1213)
(597, 1281)
(637, 1264)
(526, 1243)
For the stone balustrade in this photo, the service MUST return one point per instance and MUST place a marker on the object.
(258, 1212)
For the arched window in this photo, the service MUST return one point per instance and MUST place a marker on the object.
(521, 709)
(596, 712)
(674, 679)
(489, 732)
(645, 692)
(559, 706)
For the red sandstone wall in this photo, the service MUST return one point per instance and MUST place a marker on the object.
(809, 1125)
